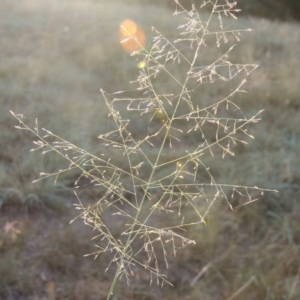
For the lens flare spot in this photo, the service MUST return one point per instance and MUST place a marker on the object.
(128, 28)
(132, 37)
(160, 115)
(141, 64)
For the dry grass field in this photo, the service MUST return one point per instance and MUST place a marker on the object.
(55, 57)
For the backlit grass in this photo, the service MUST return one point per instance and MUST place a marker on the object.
(56, 56)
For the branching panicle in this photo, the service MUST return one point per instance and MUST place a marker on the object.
(154, 179)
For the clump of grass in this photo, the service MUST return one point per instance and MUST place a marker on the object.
(153, 186)
(13, 198)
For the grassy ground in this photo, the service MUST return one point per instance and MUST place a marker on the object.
(55, 56)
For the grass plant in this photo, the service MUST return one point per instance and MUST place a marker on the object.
(157, 178)
(155, 184)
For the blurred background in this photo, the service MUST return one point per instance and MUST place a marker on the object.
(55, 57)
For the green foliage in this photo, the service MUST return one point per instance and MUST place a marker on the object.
(272, 9)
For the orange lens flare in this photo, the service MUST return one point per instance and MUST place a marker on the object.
(132, 37)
